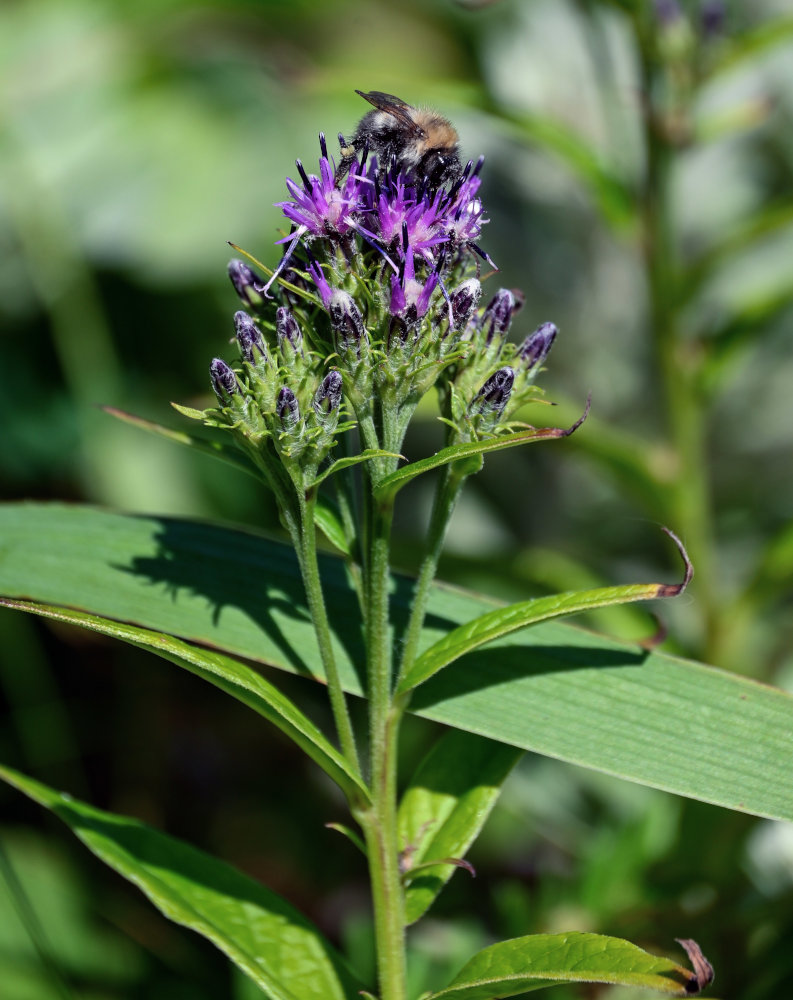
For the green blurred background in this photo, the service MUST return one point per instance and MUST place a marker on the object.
(135, 140)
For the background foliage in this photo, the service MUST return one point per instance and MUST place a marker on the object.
(136, 140)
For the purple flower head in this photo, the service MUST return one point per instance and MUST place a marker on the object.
(410, 299)
(319, 207)
(397, 210)
(224, 381)
(535, 348)
(249, 338)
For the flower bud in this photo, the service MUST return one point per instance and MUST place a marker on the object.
(346, 319)
(534, 349)
(249, 338)
(248, 285)
(498, 314)
(286, 407)
(287, 329)
(223, 379)
(494, 394)
(464, 300)
(328, 395)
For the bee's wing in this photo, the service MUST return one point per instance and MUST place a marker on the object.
(395, 106)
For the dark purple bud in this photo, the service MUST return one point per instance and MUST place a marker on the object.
(712, 15)
(534, 349)
(346, 319)
(223, 379)
(249, 338)
(328, 396)
(248, 285)
(287, 329)
(498, 314)
(464, 300)
(494, 394)
(286, 407)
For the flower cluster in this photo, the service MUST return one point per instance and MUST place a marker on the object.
(379, 287)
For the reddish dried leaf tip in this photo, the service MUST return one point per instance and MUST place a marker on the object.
(572, 429)
(673, 589)
(703, 970)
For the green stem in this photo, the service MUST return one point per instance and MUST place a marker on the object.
(678, 361)
(380, 825)
(307, 547)
(446, 495)
(380, 831)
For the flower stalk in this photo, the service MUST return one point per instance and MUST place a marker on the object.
(363, 326)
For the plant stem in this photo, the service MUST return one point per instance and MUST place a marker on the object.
(316, 604)
(678, 362)
(380, 831)
(445, 499)
(380, 825)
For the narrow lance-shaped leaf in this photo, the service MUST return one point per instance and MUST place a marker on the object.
(350, 460)
(554, 689)
(523, 964)
(232, 456)
(445, 806)
(328, 519)
(231, 676)
(387, 489)
(259, 931)
(503, 621)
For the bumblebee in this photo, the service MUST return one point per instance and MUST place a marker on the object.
(415, 140)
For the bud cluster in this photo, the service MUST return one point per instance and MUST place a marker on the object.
(377, 301)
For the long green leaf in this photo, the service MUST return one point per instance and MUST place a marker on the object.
(445, 806)
(387, 489)
(231, 676)
(258, 930)
(541, 960)
(610, 193)
(350, 460)
(503, 621)
(328, 519)
(554, 689)
(229, 455)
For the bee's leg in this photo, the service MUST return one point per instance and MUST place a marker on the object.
(347, 151)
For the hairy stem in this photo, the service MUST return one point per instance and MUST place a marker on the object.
(316, 604)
